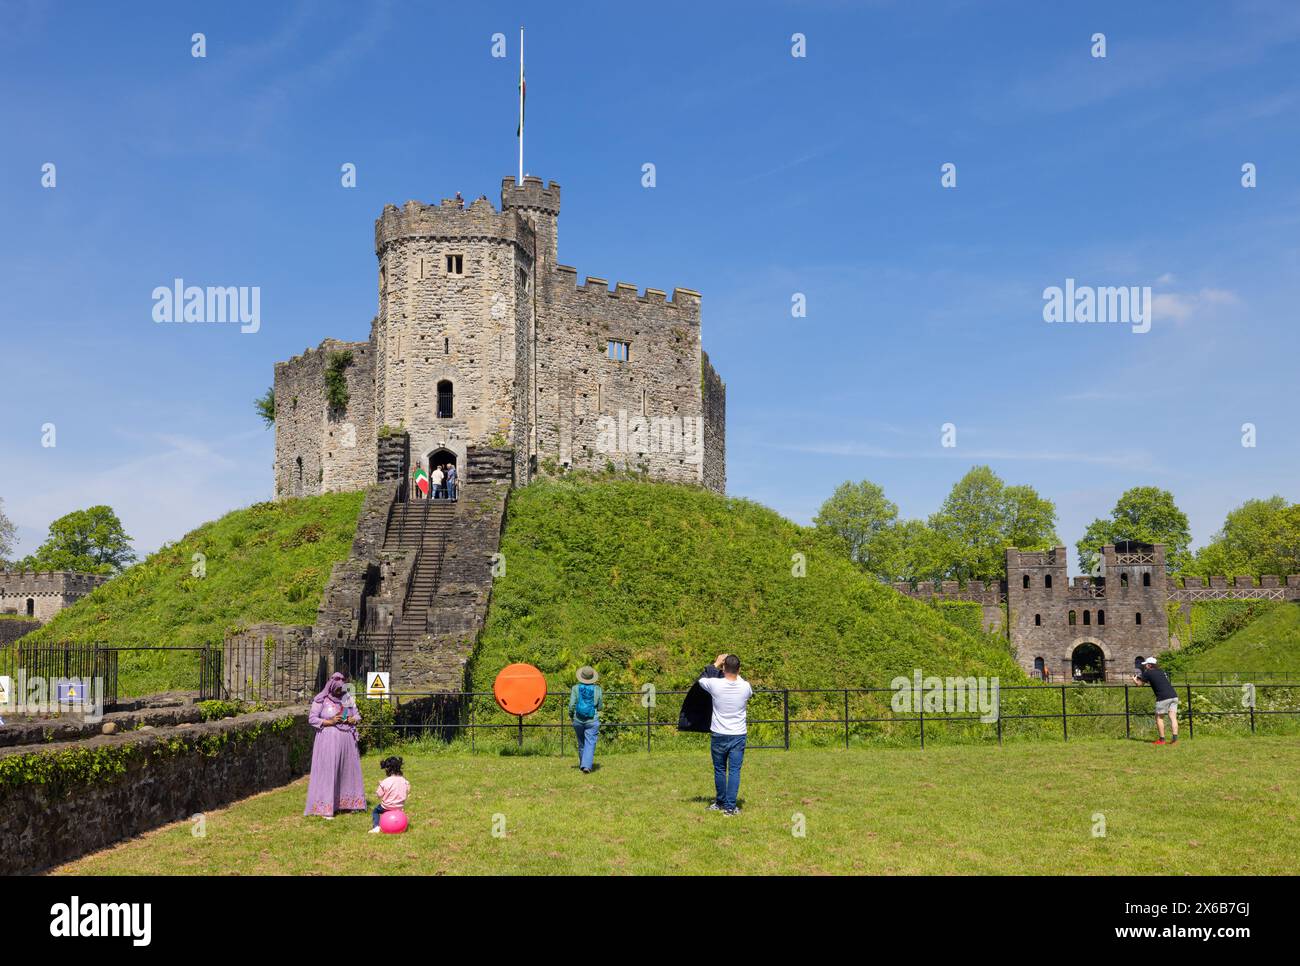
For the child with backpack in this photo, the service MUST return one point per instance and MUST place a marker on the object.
(586, 699)
(392, 791)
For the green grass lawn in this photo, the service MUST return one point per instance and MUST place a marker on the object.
(1205, 806)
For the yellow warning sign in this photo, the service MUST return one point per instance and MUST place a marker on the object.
(377, 684)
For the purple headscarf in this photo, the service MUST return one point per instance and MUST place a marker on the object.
(335, 692)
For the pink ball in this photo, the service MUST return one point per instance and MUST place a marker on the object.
(392, 821)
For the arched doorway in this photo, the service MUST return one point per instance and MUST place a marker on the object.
(31, 607)
(1039, 664)
(1088, 663)
(442, 459)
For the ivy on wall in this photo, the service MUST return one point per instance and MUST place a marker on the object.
(336, 381)
(61, 771)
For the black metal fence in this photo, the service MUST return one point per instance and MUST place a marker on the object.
(267, 671)
(1234, 677)
(56, 664)
(828, 716)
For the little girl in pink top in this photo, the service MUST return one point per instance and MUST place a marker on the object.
(392, 791)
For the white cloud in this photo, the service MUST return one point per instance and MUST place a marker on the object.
(1183, 307)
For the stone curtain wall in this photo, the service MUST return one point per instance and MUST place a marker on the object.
(337, 449)
(658, 387)
(168, 775)
(715, 426)
(12, 630)
(49, 590)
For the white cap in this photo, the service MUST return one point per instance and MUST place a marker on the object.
(1150, 660)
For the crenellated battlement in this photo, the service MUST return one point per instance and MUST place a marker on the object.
(452, 220)
(530, 195)
(597, 289)
(1269, 587)
(32, 583)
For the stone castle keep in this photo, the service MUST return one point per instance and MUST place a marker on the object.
(1099, 626)
(482, 339)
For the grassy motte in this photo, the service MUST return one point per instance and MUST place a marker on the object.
(1209, 806)
(267, 562)
(647, 582)
(1269, 642)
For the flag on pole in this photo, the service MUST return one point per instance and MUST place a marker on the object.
(523, 89)
(422, 481)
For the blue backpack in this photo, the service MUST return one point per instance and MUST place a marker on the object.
(585, 709)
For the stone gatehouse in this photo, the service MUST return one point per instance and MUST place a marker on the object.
(42, 594)
(1098, 627)
(483, 339)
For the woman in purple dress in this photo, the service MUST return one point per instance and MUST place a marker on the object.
(336, 783)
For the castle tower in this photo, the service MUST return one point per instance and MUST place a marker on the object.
(454, 284)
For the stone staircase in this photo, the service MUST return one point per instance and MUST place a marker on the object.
(420, 530)
(417, 584)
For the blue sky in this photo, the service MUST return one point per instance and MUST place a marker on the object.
(775, 175)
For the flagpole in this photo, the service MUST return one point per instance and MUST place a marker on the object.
(521, 106)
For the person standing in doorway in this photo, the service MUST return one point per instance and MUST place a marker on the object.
(1166, 698)
(586, 699)
(451, 481)
(435, 479)
(727, 730)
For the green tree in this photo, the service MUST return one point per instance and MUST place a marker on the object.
(8, 535)
(91, 540)
(1146, 514)
(982, 516)
(265, 405)
(1258, 537)
(907, 550)
(854, 514)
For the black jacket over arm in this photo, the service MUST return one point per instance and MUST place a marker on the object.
(697, 706)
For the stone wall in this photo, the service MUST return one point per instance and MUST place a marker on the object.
(715, 427)
(342, 609)
(319, 449)
(44, 593)
(644, 414)
(261, 654)
(12, 630)
(218, 762)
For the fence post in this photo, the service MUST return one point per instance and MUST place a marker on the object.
(999, 719)
(1191, 725)
(1065, 727)
(786, 714)
(521, 731)
(1252, 714)
(921, 709)
(472, 737)
(563, 708)
(1128, 730)
(846, 719)
(647, 727)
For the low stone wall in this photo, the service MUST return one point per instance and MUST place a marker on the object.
(53, 809)
(11, 630)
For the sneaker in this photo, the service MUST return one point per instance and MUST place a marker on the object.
(714, 807)
(1158, 741)
(375, 829)
(1173, 740)
(730, 812)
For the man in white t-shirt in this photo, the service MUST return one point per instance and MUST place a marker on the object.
(727, 730)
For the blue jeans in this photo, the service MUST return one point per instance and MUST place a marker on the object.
(728, 756)
(451, 490)
(379, 810)
(586, 732)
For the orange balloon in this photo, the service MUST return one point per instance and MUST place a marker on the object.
(519, 688)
